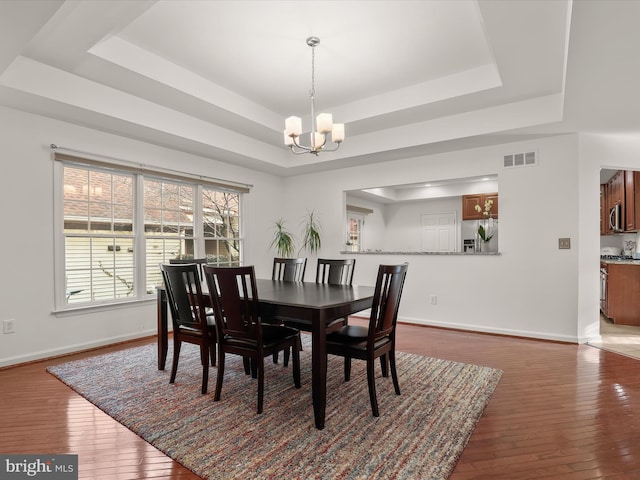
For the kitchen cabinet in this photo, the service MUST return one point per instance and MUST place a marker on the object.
(631, 201)
(469, 203)
(624, 190)
(604, 211)
(615, 196)
(621, 285)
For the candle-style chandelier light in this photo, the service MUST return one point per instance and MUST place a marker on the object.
(321, 126)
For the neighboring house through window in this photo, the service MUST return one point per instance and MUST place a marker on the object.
(119, 223)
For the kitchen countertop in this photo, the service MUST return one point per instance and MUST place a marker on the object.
(380, 252)
(621, 261)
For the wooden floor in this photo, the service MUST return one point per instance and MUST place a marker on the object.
(560, 412)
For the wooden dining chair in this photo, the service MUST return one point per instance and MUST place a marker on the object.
(240, 331)
(192, 323)
(378, 340)
(336, 272)
(200, 262)
(289, 269)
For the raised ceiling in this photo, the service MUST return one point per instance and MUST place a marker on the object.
(217, 78)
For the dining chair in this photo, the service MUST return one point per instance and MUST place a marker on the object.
(289, 269)
(336, 272)
(378, 340)
(240, 330)
(200, 262)
(192, 323)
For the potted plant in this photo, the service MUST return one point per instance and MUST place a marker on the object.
(283, 240)
(484, 225)
(310, 233)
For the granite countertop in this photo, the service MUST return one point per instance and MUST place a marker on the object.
(621, 261)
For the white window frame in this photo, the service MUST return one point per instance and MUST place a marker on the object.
(139, 240)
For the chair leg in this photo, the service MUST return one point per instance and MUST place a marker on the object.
(212, 352)
(385, 365)
(254, 368)
(296, 364)
(220, 376)
(394, 374)
(275, 357)
(204, 355)
(174, 365)
(247, 365)
(347, 369)
(260, 369)
(372, 386)
(287, 354)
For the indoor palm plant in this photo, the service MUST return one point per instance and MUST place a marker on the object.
(284, 241)
(310, 233)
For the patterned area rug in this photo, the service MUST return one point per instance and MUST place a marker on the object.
(420, 434)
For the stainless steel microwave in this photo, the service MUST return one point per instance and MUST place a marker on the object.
(615, 218)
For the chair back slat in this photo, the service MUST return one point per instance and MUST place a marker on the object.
(234, 297)
(200, 262)
(289, 269)
(386, 300)
(335, 272)
(184, 295)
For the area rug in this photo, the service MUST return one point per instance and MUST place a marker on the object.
(419, 434)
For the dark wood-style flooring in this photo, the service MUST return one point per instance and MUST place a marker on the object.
(560, 411)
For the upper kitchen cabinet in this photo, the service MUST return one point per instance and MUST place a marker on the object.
(469, 203)
(620, 203)
(632, 200)
(604, 211)
(615, 189)
(614, 201)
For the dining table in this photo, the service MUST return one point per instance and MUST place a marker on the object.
(311, 306)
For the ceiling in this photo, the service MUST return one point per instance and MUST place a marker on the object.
(408, 78)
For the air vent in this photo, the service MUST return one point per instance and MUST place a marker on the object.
(520, 159)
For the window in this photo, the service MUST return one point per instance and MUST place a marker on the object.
(98, 229)
(168, 225)
(119, 225)
(354, 231)
(221, 226)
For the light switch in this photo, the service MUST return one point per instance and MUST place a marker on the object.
(564, 243)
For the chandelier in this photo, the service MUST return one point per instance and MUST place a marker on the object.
(321, 126)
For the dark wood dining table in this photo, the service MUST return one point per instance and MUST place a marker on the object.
(312, 305)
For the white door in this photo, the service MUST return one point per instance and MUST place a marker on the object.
(439, 232)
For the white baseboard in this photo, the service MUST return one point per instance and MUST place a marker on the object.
(78, 347)
(485, 329)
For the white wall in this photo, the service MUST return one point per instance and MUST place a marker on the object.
(26, 193)
(531, 289)
(404, 222)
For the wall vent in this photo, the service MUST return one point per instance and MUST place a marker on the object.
(520, 159)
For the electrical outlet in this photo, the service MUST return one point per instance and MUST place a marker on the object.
(8, 326)
(564, 243)
(434, 299)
